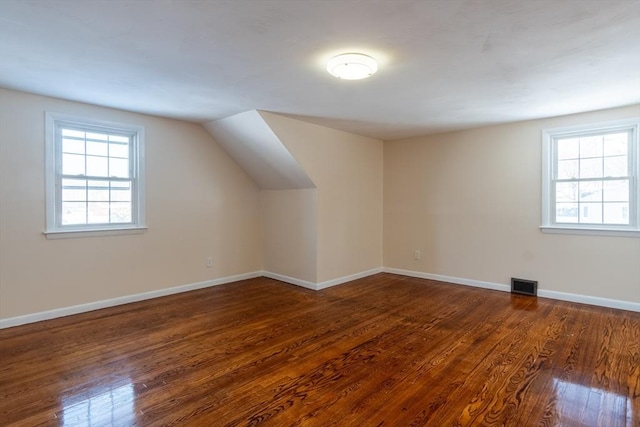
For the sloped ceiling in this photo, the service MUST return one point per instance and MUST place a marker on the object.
(256, 148)
(444, 64)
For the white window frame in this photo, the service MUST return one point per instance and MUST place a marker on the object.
(53, 155)
(548, 164)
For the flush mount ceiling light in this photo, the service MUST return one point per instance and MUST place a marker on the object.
(352, 66)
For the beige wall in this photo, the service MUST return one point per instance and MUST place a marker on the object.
(347, 170)
(470, 201)
(199, 203)
(290, 232)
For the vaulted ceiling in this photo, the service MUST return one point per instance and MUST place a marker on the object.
(444, 64)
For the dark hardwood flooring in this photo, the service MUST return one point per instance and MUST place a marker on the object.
(381, 351)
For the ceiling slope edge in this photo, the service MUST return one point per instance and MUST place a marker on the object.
(249, 140)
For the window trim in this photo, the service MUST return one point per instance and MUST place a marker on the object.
(55, 231)
(548, 159)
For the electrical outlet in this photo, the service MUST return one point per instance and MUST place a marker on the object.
(417, 254)
(209, 262)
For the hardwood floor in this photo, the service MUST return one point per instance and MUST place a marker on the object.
(381, 351)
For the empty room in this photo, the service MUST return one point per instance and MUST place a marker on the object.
(320, 213)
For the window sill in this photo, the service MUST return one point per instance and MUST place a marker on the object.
(74, 234)
(589, 231)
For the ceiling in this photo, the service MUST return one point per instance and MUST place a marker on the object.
(444, 64)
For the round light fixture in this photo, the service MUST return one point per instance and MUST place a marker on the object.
(352, 66)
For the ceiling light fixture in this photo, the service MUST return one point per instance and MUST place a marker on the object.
(352, 66)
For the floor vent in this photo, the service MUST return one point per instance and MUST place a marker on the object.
(524, 287)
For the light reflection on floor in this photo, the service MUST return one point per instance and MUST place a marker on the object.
(106, 405)
(582, 404)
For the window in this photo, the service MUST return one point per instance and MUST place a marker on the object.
(590, 179)
(95, 176)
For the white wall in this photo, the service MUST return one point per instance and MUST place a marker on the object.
(471, 202)
(199, 203)
(290, 233)
(347, 171)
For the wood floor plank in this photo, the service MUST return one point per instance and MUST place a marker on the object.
(386, 350)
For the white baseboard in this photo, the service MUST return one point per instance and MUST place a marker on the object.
(563, 296)
(321, 285)
(586, 299)
(341, 280)
(82, 308)
(456, 280)
(290, 280)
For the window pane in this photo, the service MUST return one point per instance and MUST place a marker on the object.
(615, 166)
(591, 146)
(616, 191)
(74, 213)
(72, 146)
(567, 192)
(566, 212)
(72, 164)
(591, 213)
(73, 133)
(119, 168)
(591, 168)
(567, 169)
(97, 148)
(568, 148)
(593, 173)
(98, 191)
(591, 191)
(97, 136)
(616, 213)
(119, 150)
(92, 181)
(616, 144)
(119, 138)
(97, 166)
(121, 212)
(97, 213)
(120, 193)
(74, 190)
